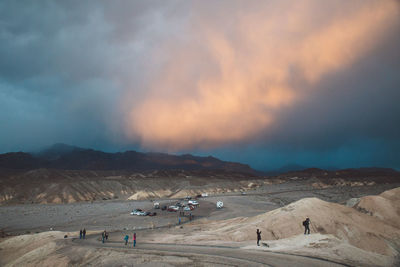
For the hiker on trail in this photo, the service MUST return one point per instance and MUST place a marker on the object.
(84, 233)
(258, 237)
(134, 239)
(80, 234)
(126, 239)
(179, 221)
(306, 225)
(103, 236)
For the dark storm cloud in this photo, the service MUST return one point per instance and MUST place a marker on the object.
(206, 77)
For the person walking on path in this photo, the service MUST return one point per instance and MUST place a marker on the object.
(106, 234)
(258, 237)
(103, 236)
(84, 233)
(80, 234)
(306, 225)
(179, 221)
(134, 239)
(126, 239)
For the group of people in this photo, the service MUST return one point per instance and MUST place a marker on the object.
(82, 233)
(104, 236)
(306, 225)
(126, 238)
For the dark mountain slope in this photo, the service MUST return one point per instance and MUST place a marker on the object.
(66, 157)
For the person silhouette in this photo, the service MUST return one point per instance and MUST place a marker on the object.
(258, 237)
(306, 225)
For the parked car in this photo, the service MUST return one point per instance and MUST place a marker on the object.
(138, 212)
(179, 204)
(163, 207)
(156, 205)
(173, 208)
(193, 202)
(188, 208)
(152, 214)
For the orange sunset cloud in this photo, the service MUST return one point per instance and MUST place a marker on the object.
(224, 82)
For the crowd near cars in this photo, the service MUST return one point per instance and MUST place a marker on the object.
(186, 204)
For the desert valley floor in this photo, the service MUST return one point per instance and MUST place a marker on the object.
(352, 224)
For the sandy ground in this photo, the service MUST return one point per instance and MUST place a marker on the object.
(241, 213)
(114, 215)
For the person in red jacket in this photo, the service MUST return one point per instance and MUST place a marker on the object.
(134, 239)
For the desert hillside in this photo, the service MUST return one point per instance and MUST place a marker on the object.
(69, 186)
(371, 230)
(367, 234)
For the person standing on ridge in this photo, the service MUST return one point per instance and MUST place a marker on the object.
(258, 237)
(306, 225)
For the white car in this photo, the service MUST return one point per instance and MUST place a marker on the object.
(138, 212)
(193, 202)
(173, 208)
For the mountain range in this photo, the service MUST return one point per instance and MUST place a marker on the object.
(66, 157)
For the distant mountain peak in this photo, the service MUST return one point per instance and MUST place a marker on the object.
(57, 150)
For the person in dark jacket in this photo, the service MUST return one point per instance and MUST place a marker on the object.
(126, 239)
(258, 237)
(84, 233)
(306, 225)
(80, 234)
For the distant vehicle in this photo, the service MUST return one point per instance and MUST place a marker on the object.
(243, 193)
(138, 212)
(163, 207)
(193, 202)
(188, 198)
(204, 195)
(156, 205)
(188, 208)
(152, 214)
(179, 204)
(220, 204)
(173, 208)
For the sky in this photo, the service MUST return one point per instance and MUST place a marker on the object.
(267, 83)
